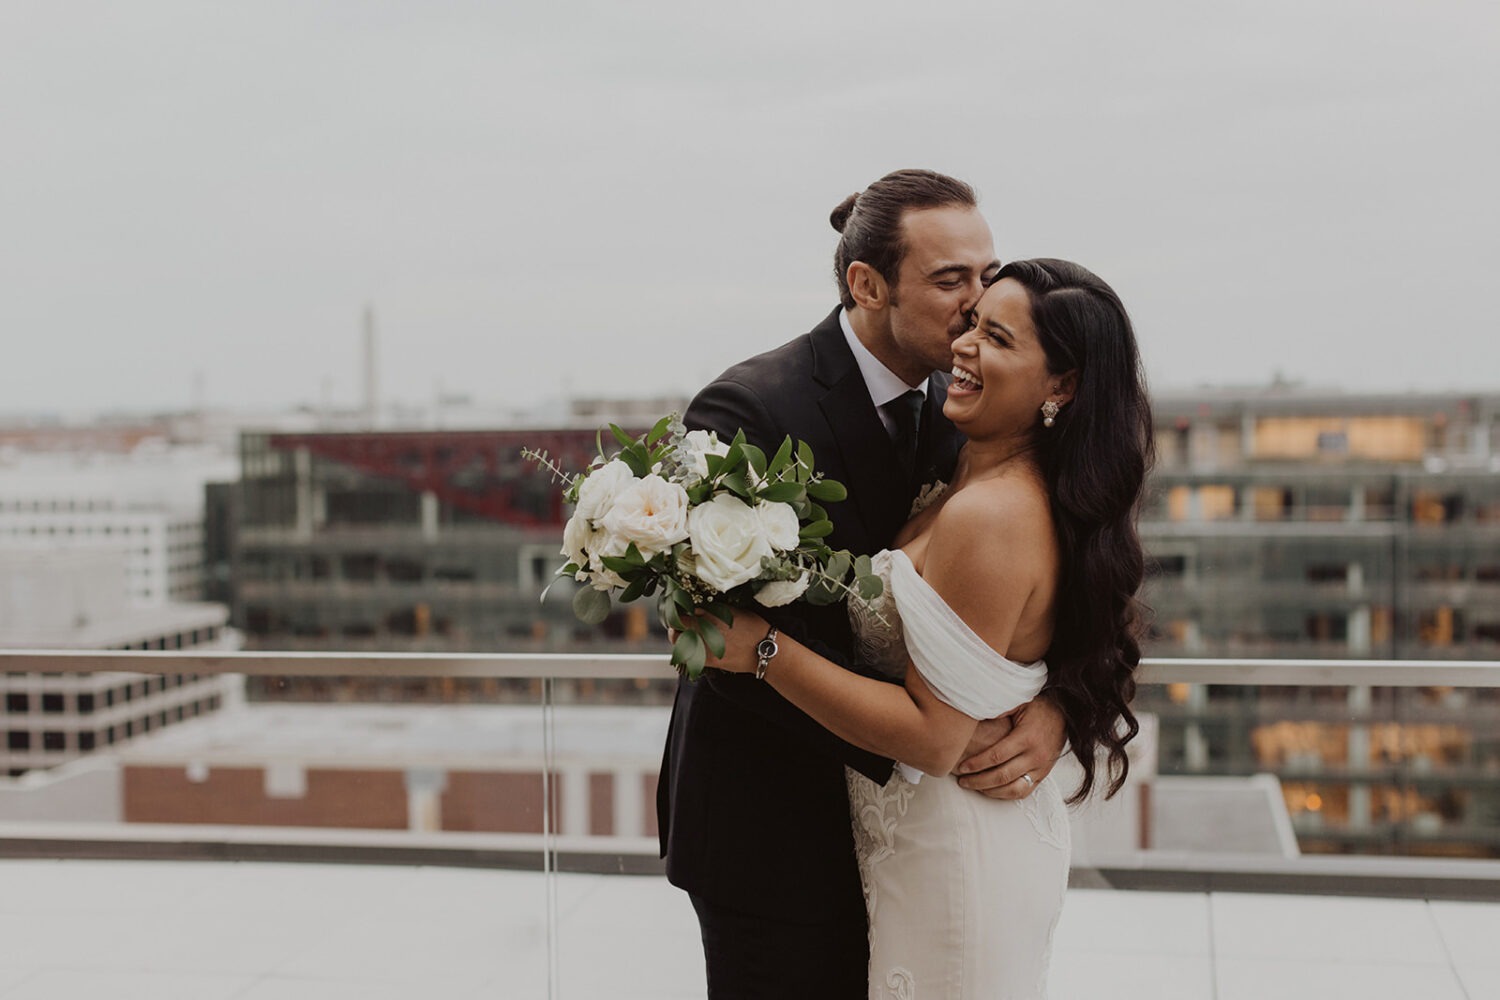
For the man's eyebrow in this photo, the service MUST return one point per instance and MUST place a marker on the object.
(949, 269)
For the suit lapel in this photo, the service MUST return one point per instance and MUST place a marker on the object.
(871, 472)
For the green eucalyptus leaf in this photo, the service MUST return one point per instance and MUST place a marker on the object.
(817, 529)
(625, 439)
(821, 592)
(781, 459)
(591, 606)
(869, 587)
(636, 461)
(791, 493)
(688, 653)
(659, 429)
(636, 588)
(838, 566)
(734, 458)
(756, 458)
(804, 461)
(827, 490)
(736, 483)
(712, 635)
(862, 566)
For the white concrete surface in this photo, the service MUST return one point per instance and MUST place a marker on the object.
(253, 931)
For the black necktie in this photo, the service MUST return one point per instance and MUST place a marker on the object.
(906, 413)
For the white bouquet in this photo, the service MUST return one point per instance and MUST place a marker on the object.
(702, 526)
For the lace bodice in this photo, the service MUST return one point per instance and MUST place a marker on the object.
(878, 637)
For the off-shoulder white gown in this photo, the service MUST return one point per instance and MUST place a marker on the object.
(963, 891)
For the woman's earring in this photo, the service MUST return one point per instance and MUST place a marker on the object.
(1049, 412)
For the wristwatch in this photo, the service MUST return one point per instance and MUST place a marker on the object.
(764, 650)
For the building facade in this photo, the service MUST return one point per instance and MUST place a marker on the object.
(76, 599)
(1296, 525)
(422, 541)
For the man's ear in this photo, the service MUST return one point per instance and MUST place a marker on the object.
(867, 286)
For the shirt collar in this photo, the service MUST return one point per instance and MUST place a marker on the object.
(884, 384)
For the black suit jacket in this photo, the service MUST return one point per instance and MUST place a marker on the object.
(751, 804)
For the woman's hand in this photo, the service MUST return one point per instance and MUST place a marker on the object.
(740, 640)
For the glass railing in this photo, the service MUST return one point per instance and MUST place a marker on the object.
(1331, 776)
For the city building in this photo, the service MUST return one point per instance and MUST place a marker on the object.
(1295, 524)
(411, 541)
(76, 599)
(124, 489)
(1280, 522)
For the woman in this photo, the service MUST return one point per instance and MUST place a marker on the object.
(1022, 575)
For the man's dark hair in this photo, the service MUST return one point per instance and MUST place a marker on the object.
(870, 221)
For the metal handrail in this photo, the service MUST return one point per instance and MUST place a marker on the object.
(629, 666)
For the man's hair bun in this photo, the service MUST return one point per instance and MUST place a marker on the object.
(840, 216)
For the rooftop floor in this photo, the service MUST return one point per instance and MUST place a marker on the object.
(264, 931)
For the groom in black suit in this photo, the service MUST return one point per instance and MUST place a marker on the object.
(751, 804)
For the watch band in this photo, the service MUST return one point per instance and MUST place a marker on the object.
(764, 650)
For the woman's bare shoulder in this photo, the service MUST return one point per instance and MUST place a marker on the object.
(1009, 508)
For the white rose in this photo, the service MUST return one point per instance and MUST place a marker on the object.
(779, 592)
(697, 446)
(650, 512)
(598, 492)
(779, 521)
(576, 538)
(605, 543)
(728, 540)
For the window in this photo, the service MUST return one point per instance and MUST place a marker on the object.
(54, 740)
(85, 741)
(52, 703)
(17, 703)
(1327, 573)
(18, 740)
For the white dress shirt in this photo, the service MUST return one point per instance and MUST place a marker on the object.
(883, 384)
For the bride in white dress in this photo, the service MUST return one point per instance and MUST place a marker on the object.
(1020, 576)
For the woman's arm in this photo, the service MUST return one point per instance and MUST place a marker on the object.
(981, 562)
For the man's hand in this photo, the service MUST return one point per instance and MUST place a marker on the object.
(1031, 747)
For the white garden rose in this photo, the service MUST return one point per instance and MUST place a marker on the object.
(650, 512)
(780, 592)
(729, 541)
(779, 521)
(598, 492)
(577, 534)
(604, 543)
(697, 446)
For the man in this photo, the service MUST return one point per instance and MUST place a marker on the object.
(752, 804)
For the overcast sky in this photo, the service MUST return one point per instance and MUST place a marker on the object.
(620, 198)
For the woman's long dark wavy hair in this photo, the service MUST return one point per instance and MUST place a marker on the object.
(1094, 459)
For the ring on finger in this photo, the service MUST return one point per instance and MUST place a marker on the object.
(1030, 782)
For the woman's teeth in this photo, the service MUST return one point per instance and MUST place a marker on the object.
(964, 380)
